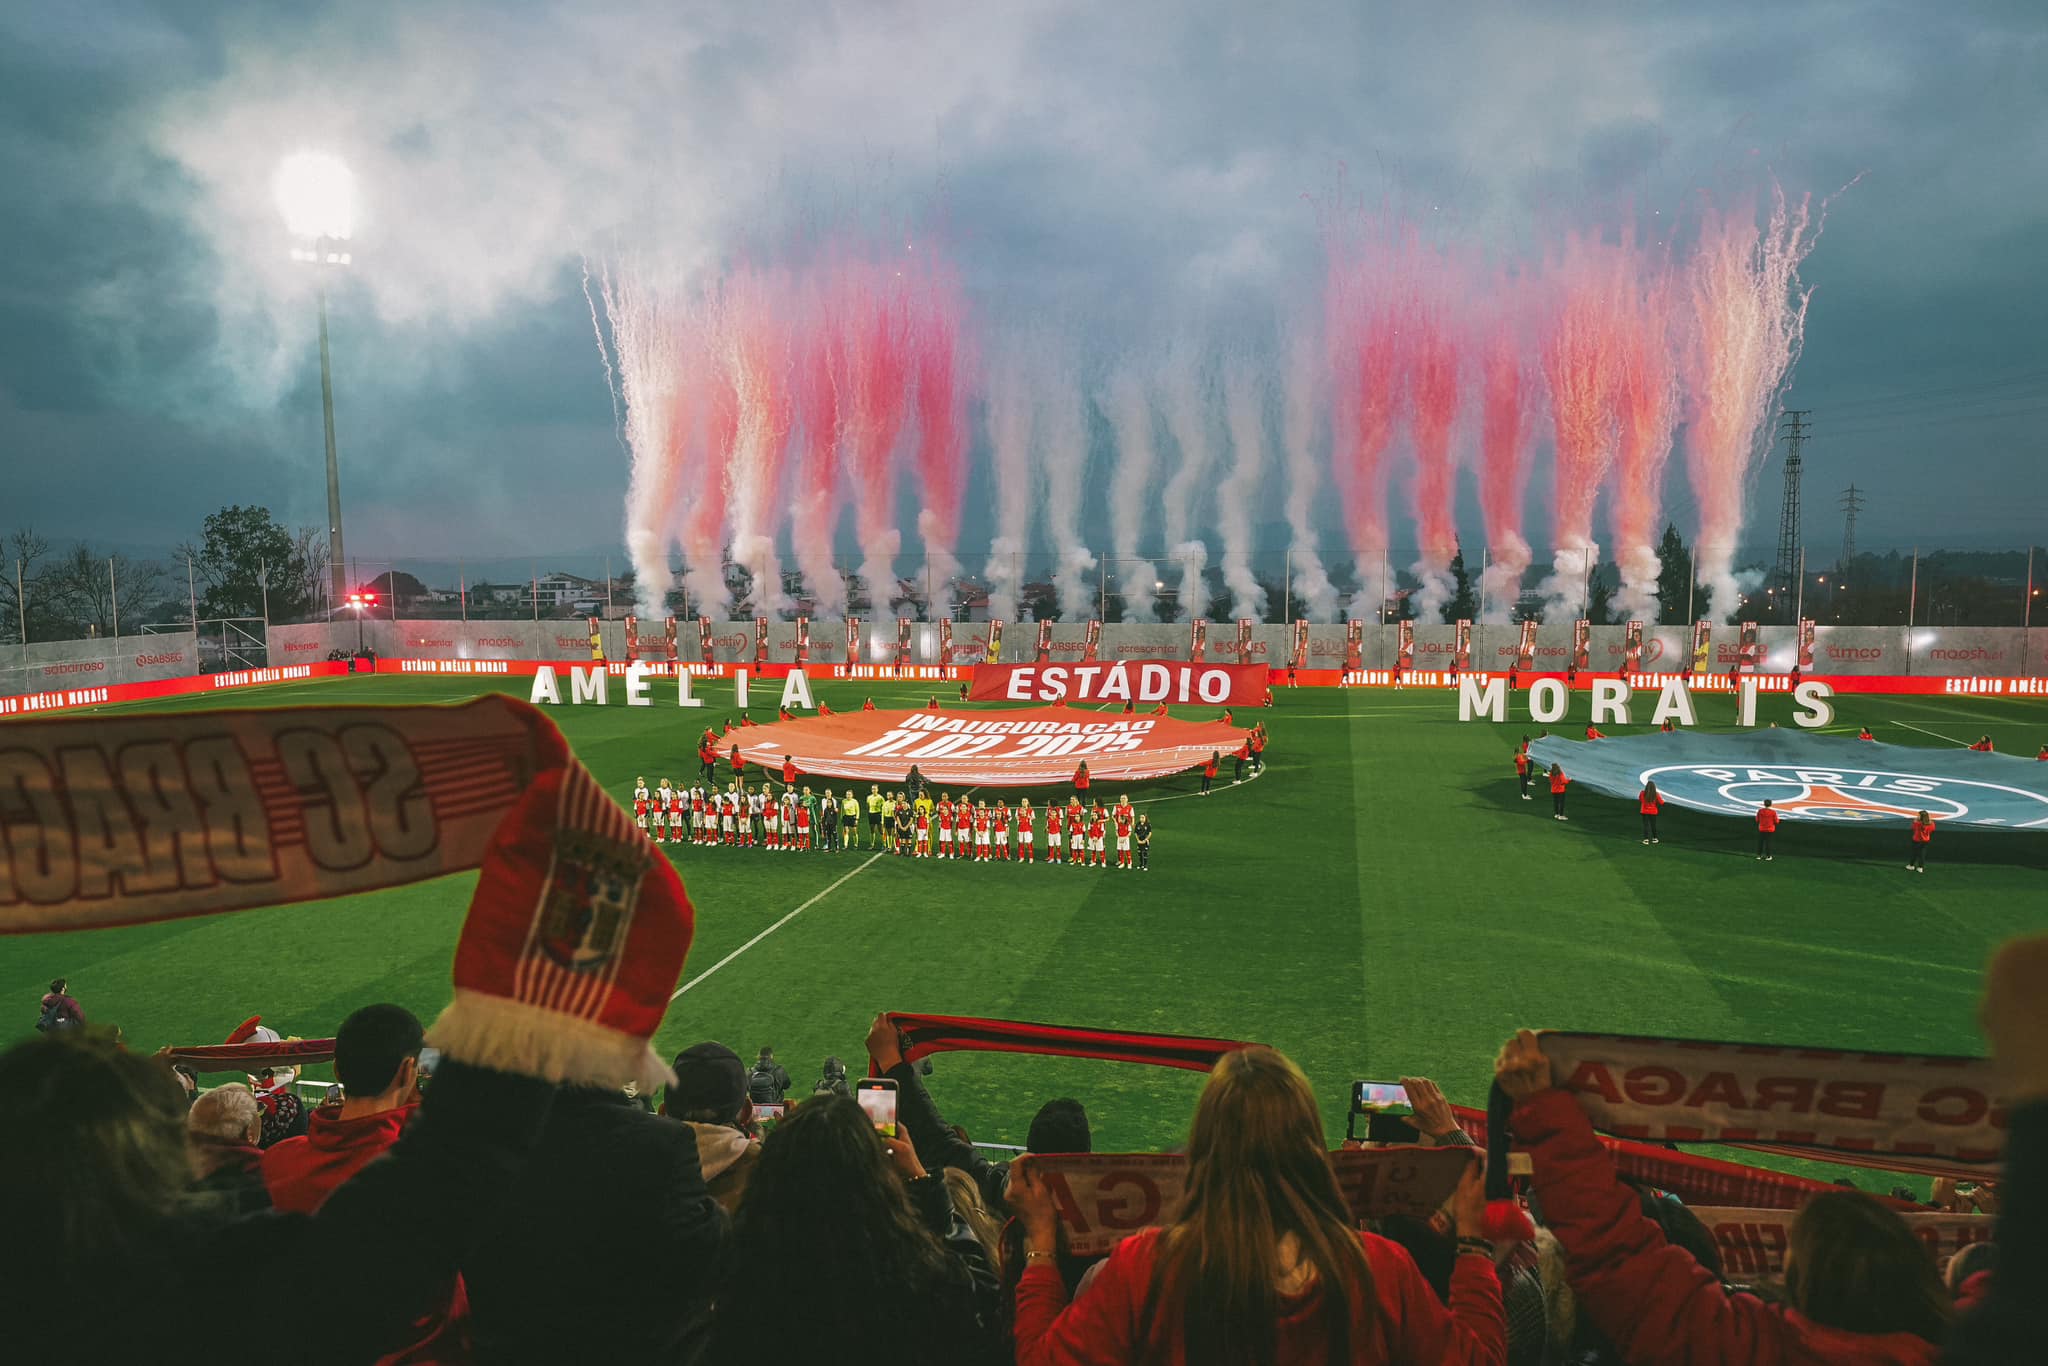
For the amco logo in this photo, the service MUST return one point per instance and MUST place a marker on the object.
(1845, 796)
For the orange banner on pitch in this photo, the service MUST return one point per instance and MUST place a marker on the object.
(1034, 747)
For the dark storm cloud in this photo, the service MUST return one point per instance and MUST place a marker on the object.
(1132, 171)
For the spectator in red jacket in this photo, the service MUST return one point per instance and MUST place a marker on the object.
(1260, 1262)
(739, 765)
(1558, 783)
(1863, 733)
(377, 1061)
(1923, 834)
(2043, 755)
(788, 771)
(1595, 733)
(1525, 768)
(1859, 1287)
(1983, 745)
(1209, 770)
(1766, 830)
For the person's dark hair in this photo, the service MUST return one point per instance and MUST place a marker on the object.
(57, 984)
(1854, 1265)
(92, 1152)
(1060, 1126)
(828, 1225)
(372, 1045)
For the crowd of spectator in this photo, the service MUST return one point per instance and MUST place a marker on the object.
(435, 1211)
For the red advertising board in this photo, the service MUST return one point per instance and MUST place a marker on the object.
(1142, 681)
(1023, 748)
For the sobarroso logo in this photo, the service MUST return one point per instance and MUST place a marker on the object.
(1846, 796)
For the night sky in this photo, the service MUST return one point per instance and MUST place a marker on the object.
(1121, 174)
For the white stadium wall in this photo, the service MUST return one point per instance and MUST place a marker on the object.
(1867, 650)
(41, 667)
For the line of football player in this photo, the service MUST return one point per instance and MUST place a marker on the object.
(796, 820)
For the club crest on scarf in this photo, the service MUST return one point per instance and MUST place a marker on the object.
(591, 895)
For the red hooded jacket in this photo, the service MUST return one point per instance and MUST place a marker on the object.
(1409, 1324)
(1658, 1305)
(302, 1172)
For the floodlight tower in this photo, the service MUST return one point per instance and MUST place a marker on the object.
(316, 193)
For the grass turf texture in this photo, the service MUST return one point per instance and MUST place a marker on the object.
(1379, 903)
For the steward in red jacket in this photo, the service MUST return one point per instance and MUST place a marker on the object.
(1649, 802)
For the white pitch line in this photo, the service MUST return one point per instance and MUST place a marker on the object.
(1935, 733)
(835, 886)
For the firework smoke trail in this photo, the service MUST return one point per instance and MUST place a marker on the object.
(1010, 417)
(1363, 331)
(1063, 465)
(1299, 413)
(1129, 410)
(757, 356)
(814, 503)
(1645, 399)
(703, 524)
(1506, 428)
(1579, 363)
(942, 428)
(1244, 411)
(879, 376)
(1433, 362)
(645, 335)
(1186, 396)
(1748, 320)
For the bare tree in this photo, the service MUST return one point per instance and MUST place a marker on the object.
(102, 591)
(308, 567)
(26, 590)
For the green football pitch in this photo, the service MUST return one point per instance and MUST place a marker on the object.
(1379, 903)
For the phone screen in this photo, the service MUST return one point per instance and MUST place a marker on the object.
(877, 1096)
(1382, 1095)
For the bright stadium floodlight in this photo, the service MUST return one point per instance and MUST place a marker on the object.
(316, 193)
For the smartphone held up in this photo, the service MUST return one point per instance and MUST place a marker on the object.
(877, 1096)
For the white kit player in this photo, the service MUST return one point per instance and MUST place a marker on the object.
(640, 800)
(662, 797)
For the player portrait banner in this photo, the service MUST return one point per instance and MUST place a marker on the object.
(596, 640)
(703, 638)
(1404, 644)
(1702, 645)
(1140, 681)
(1803, 661)
(760, 641)
(1749, 649)
(632, 638)
(1244, 640)
(945, 640)
(853, 651)
(1461, 647)
(1754, 1242)
(1198, 640)
(1525, 648)
(1582, 644)
(1091, 647)
(1828, 779)
(1044, 641)
(129, 819)
(1022, 748)
(1354, 645)
(1683, 1091)
(1632, 648)
(1299, 659)
(995, 643)
(1102, 1198)
(803, 640)
(902, 641)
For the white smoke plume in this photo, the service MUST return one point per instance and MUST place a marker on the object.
(1637, 597)
(645, 340)
(1063, 463)
(1565, 589)
(1129, 409)
(1011, 412)
(1300, 421)
(1244, 408)
(1436, 589)
(1500, 586)
(1188, 396)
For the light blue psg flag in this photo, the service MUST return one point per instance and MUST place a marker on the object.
(1810, 777)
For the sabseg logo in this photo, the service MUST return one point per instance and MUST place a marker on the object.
(1845, 796)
